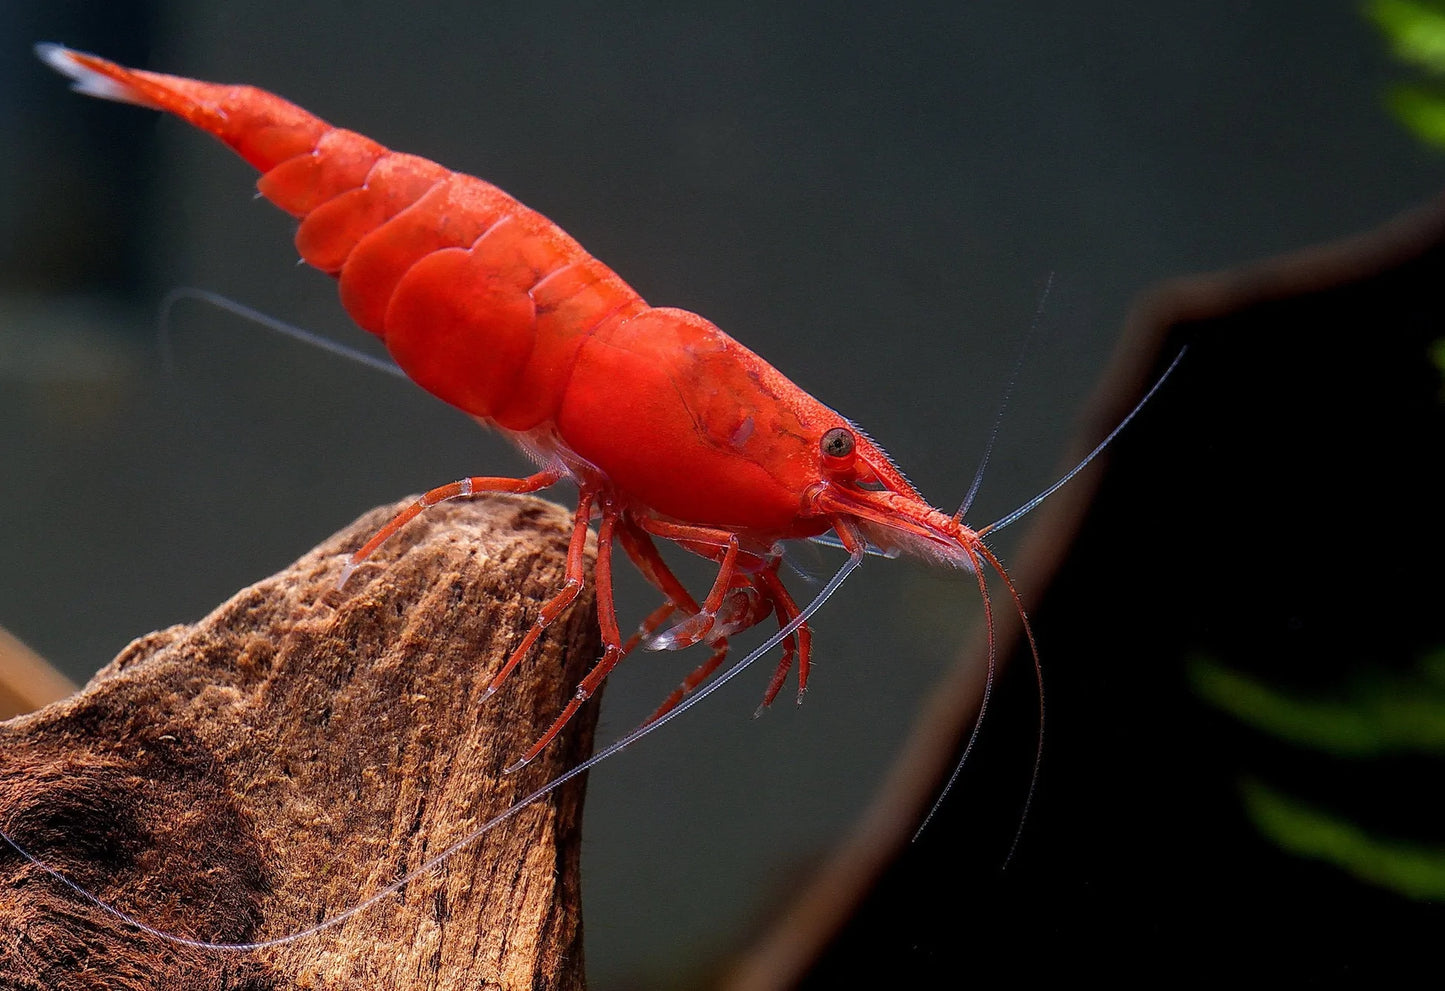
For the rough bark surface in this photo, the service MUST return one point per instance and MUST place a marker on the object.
(297, 750)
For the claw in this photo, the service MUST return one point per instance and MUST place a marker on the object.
(683, 634)
(742, 608)
(347, 571)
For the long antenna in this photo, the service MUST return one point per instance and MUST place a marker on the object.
(983, 551)
(1032, 504)
(315, 340)
(1003, 402)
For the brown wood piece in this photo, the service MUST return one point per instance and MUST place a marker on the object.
(297, 750)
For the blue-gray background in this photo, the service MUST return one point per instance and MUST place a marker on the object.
(872, 199)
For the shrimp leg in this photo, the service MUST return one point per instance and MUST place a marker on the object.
(773, 597)
(772, 587)
(738, 609)
(720, 546)
(649, 626)
(576, 578)
(643, 552)
(456, 490)
(769, 596)
(606, 619)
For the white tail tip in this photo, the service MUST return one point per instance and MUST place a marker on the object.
(58, 57)
(84, 79)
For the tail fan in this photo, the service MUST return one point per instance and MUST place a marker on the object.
(261, 127)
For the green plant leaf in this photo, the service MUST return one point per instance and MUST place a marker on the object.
(1421, 110)
(1437, 355)
(1412, 870)
(1416, 29)
(1396, 715)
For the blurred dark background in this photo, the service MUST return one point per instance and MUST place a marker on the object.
(1239, 784)
(871, 199)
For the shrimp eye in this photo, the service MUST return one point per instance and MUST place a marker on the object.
(838, 443)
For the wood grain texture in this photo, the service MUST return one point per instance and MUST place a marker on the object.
(298, 749)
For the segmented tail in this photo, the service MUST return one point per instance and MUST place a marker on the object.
(482, 301)
(261, 127)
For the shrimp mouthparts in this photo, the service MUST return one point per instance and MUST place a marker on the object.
(898, 523)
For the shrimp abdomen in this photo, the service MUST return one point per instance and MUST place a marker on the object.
(481, 300)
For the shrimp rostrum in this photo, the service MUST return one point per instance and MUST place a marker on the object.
(669, 428)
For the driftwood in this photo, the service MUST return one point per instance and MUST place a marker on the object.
(296, 751)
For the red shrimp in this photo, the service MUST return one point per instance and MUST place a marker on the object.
(669, 427)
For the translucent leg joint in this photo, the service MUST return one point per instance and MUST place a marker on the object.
(741, 609)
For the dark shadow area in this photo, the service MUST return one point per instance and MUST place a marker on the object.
(1276, 512)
